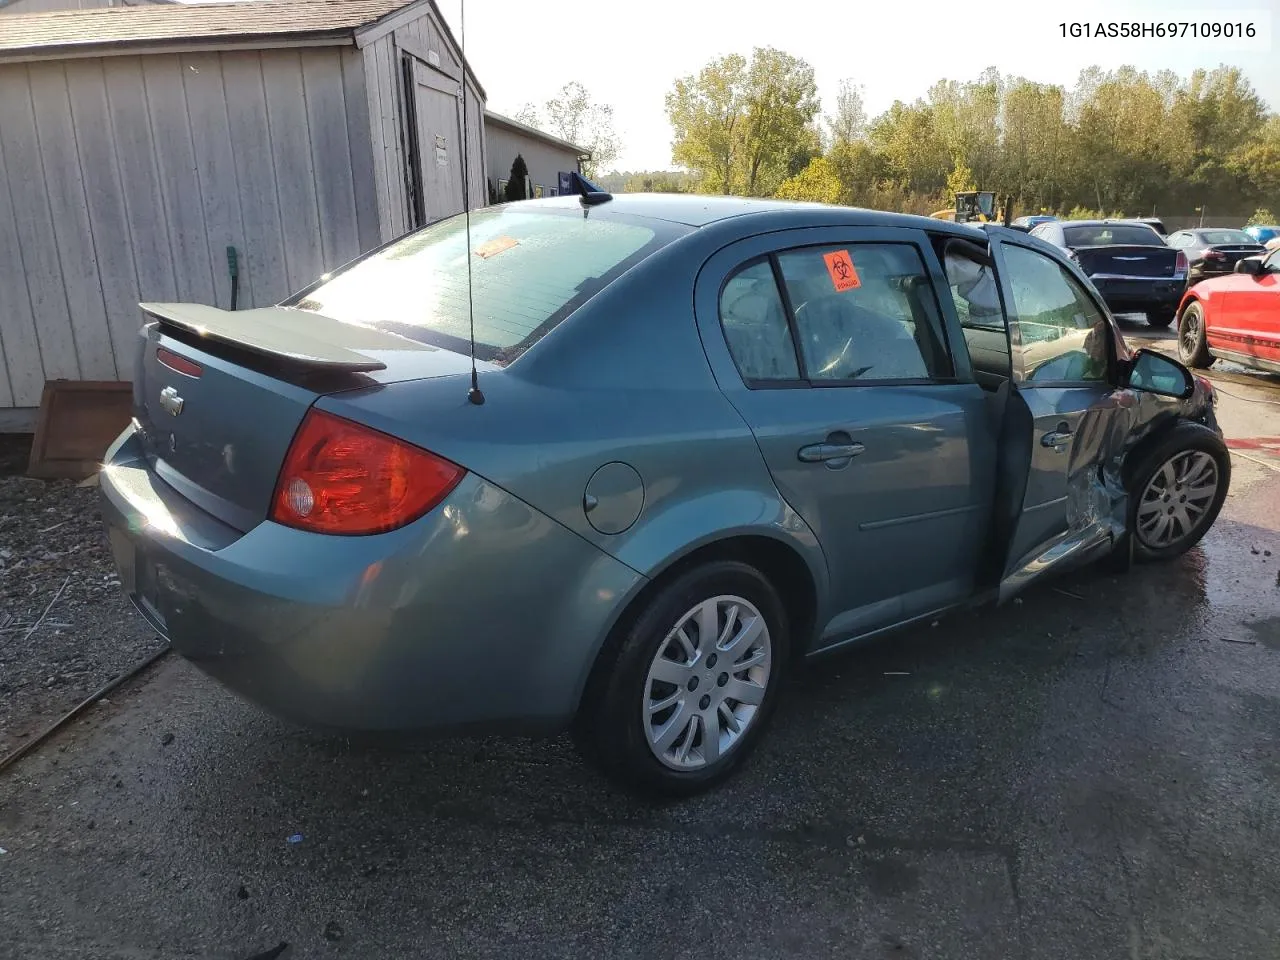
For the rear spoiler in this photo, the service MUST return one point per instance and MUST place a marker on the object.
(298, 337)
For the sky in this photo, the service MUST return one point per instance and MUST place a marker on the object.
(894, 51)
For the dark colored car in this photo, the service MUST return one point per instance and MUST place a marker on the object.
(717, 436)
(1212, 252)
(1128, 262)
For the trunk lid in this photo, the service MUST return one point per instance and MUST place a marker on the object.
(1125, 260)
(218, 395)
(1233, 253)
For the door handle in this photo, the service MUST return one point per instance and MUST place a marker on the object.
(823, 452)
(1057, 439)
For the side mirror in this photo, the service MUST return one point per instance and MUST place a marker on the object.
(1250, 265)
(1153, 372)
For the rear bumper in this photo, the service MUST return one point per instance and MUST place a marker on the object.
(483, 614)
(1140, 295)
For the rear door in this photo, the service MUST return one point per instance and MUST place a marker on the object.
(1064, 365)
(830, 344)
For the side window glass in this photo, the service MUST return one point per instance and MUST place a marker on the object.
(755, 325)
(976, 295)
(865, 311)
(1273, 261)
(1063, 335)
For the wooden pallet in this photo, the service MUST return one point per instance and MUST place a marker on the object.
(79, 420)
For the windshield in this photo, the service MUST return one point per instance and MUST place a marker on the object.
(1106, 234)
(1225, 236)
(529, 270)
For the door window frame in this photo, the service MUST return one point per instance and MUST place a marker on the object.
(725, 263)
(1074, 275)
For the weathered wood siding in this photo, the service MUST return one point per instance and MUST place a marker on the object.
(124, 179)
(386, 98)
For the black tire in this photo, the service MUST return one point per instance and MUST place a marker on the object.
(1185, 436)
(609, 730)
(1159, 319)
(1192, 349)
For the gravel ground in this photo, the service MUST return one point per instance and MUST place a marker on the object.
(65, 627)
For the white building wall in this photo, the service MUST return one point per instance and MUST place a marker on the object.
(124, 179)
(544, 160)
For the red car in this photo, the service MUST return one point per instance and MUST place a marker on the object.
(1234, 317)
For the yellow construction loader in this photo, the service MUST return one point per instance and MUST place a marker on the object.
(977, 206)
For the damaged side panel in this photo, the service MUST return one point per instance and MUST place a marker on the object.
(1106, 438)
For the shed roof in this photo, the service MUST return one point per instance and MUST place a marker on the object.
(102, 30)
(528, 131)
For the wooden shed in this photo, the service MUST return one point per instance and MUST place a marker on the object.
(142, 147)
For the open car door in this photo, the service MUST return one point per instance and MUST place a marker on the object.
(1060, 419)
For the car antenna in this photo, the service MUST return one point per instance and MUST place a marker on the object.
(588, 193)
(474, 394)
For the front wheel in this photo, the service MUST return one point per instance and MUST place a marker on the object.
(687, 694)
(1177, 492)
(1192, 349)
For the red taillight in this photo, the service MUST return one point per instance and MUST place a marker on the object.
(1180, 264)
(1215, 255)
(178, 363)
(343, 478)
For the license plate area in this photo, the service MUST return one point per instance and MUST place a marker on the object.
(139, 578)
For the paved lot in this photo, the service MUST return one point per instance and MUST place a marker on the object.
(1091, 773)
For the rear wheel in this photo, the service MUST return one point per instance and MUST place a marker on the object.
(687, 693)
(1192, 349)
(1177, 492)
(1160, 318)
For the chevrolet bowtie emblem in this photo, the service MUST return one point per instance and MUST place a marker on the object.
(171, 402)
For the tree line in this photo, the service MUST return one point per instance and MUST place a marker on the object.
(1120, 142)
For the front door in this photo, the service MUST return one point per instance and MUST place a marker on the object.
(1254, 308)
(437, 153)
(830, 344)
(1064, 365)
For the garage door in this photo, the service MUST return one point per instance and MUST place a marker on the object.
(438, 153)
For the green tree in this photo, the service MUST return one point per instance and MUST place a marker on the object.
(817, 182)
(960, 179)
(1261, 217)
(849, 122)
(745, 126)
(517, 185)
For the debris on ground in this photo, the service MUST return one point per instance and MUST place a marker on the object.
(65, 625)
(1247, 643)
(270, 954)
(296, 838)
(1068, 593)
(333, 931)
(166, 739)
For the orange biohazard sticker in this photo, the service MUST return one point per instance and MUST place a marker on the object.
(494, 247)
(840, 266)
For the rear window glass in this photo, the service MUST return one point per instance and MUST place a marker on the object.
(529, 270)
(1225, 236)
(1105, 234)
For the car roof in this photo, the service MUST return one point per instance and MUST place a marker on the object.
(1105, 223)
(698, 210)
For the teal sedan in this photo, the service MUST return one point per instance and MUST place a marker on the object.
(616, 465)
